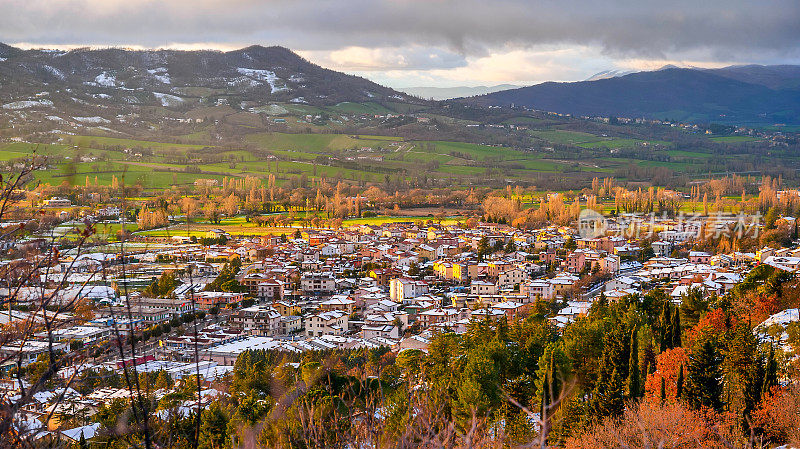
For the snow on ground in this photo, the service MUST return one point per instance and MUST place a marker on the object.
(106, 79)
(265, 75)
(783, 318)
(767, 332)
(272, 109)
(102, 96)
(168, 100)
(298, 100)
(54, 118)
(25, 104)
(3, 59)
(161, 75)
(57, 73)
(91, 119)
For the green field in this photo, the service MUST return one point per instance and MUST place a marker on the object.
(734, 139)
(314, 143)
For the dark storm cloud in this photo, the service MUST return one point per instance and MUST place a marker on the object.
(719, 29)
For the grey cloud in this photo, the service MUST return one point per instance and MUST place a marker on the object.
(719, 29)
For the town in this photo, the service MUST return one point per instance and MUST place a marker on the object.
(191, 303)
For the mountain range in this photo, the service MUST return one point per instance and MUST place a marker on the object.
(109, 82)
(743, 95)
(174, 78)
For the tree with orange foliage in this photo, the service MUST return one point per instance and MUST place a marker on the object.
(715, 324)
(653, 424)
(668, 365)
(778, 416)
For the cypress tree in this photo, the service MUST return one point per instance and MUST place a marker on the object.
(676, 329)
(544, 410)
(679, 389)
(704, 381)
(666, 336)
(663, 395)
(645, 369)
(634, 381)
(770, 372)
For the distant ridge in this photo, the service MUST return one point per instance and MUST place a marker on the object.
(446, 93)
(735, 95)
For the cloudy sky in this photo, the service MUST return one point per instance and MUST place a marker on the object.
(405, 43)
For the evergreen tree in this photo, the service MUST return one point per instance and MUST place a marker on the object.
(483, 248)
(213, 427)
(608, 397)
(663, 394)
(704, 381)
(676, 329)
(545, 411)
(666, 324)
(679, 389)
(770, 372)
(634, 379)
(510, 246)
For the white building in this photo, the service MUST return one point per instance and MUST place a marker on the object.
(334, 322)
(404, 288)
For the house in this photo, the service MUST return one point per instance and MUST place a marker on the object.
(510, 308)
(270, 290)
(401, 289)
(286, 308)
(699, 257)
(57, 202)
(439, 315)
(783, 263)
(257, 320)
(26, 352)
(626, 282)
(482, 288)
(369, 332)
(662, 248)
(511, 277)
(318, 283)
(334, 322)
(339, 302)
(215, 234)
(539, 288)
(291, 324)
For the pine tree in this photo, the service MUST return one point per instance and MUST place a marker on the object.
(663, 394)
(634, 381)
(679, 389)
(704, 380)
